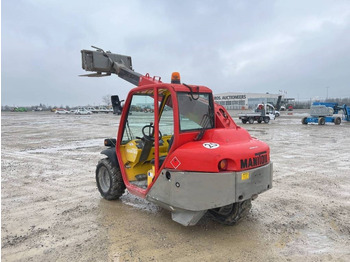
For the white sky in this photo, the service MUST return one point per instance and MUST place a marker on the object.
(301, 47)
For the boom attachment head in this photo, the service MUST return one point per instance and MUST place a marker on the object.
(105, 63)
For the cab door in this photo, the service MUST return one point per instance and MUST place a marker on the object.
(144, 136)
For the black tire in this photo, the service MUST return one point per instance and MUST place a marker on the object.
(244, 121)
(251, 120)
(337, 121)
(304, 121)
(321, 121)
(231, 214)
(109, 180)
(277, 114)
(267, 120)
(259, 120)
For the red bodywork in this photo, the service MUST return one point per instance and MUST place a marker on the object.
(186, 154)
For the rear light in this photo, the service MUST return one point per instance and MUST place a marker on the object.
(223, 164)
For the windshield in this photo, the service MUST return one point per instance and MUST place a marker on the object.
(196, 111)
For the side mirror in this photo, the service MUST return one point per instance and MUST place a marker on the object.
(117, 105)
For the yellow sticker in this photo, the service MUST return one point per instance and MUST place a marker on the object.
(245, 176)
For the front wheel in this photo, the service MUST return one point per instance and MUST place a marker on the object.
(304, 121)
(109, 180)
(321, 121)
(337, 121)
(266, 120)
(231, 214)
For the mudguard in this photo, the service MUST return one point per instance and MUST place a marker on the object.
(111, 154)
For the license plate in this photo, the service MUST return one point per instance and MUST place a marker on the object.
(245, 176)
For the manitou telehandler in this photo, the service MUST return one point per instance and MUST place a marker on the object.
(177, 148)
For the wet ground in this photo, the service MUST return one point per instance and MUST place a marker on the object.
(52, 211)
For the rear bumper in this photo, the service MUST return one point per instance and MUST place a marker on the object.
(195, 191)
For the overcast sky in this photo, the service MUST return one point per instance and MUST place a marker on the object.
(300, 47)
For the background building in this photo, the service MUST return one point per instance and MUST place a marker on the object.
(244, 100)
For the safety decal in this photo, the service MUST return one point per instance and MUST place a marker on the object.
(175, 162)
(211, 145)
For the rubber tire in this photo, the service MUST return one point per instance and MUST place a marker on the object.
(251, 120)
(337, 121)
(304, 121)
(116, 187)
(232, 213)
(244, 121)
(321, 121)
(277, 114)
(259, 120)
(266, 120)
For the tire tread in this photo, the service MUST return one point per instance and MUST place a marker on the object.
(117, 187)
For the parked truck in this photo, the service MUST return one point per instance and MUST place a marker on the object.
(263, 113)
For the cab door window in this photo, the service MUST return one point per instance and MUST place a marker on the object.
(141, 113)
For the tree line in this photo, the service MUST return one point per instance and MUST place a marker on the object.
(307, 104)
(106, 100)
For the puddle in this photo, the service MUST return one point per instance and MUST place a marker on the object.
(312, 243)
(317, 243)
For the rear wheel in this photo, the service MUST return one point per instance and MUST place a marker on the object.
(251, 120)
(244, 121)
(259, 120)
(337, 121)
(321, 121)
(266, 120)
(231, 214)
(109, 180)
(304, 121)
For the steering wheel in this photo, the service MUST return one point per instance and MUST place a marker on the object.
(150, 130)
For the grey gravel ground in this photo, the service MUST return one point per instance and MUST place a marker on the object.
(52, 211)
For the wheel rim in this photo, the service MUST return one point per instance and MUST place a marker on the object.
(104, 179)
(225, 210)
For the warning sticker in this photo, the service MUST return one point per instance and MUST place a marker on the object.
(175, 162)
(245, 176)
(211, 145)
